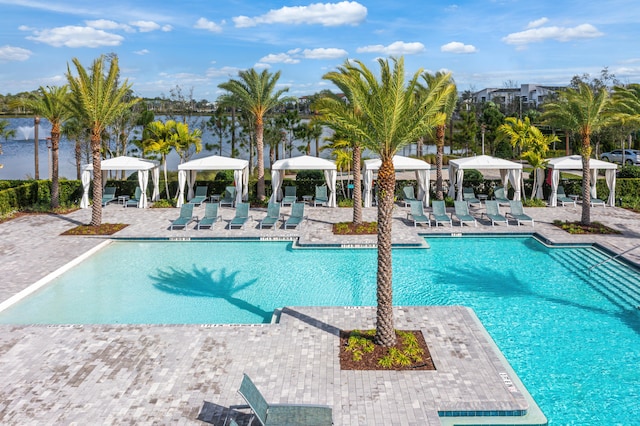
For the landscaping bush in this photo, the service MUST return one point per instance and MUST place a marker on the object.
(629, 172)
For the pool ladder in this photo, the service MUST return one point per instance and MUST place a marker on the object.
(612, 258)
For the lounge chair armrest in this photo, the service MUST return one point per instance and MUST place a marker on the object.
(299, 414)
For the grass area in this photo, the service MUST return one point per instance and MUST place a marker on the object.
(579, 228)
(348, 228)
(102, 229)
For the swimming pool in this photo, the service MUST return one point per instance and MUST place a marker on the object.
(570, 336)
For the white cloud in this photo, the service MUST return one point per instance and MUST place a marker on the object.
(106, 24)
(537, 23)
(74, 36)
(141, 52)
(166, 28)
(324, 53)
(533, 35)
(451, 8)
(12, 53)
(326, 14)
(395, 48)
(223, 72)
(279, 58)
(205, 24)
(146, 26)
(457, 47)
(262, 65)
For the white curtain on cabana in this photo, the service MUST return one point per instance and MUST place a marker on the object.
(125, 163)
(574, 163)
(400, 163)
(239, 166)
(304, 162)
(510, 172)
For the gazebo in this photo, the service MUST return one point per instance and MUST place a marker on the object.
(510, 172)
(400, 163)
(574, 163)
(304, 162)
(140, 165)
(239, 166)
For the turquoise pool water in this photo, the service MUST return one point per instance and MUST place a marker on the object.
(570, 335)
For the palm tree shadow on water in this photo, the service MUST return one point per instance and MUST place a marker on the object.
(201, 282)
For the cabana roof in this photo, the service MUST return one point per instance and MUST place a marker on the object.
(214, 162)
(485, 162)
(304, 162)
(574, 162)
(399, 163)
(124, 163)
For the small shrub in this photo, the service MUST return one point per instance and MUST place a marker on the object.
(164, 203)
(345, 202)
(534, 202)
(630, 172)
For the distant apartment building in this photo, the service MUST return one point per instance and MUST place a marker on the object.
(525, 97)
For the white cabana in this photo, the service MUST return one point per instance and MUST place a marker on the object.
(400, 163)
(239, 166)
(125, 163)
(510, 172)
(574, 163)
(304, 162)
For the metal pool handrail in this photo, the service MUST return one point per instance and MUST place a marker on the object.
(613, 257)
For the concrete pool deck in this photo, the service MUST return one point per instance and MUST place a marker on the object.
(188, 374)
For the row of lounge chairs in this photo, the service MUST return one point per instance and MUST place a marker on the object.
(109, 195)
(462, 215)
(212, 216)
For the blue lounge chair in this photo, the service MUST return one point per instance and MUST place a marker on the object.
(439, 212)
(493, 213)
(470, 196)
(289, 196)
(211, 216)
(228, 196)
(562, 197)
(186, 217)
(500, 197)
(297, 216)
(200, 196)
(108, 195)
(417, 214)
(135, 200)
(408, 195)
(597, 202)
(241, 217)
(279, 414)
(321, 196)
(517, 212)
(273, 215)
(462, 213)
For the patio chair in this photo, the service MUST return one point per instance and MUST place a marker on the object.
(228, 196)
(289, 196)
(200, 197)
(469, 196)
(279, 414)
(439, 212)
(408, 195)
(597, 202)
(500, 196)
(493, 212)
(417, 214)
(211, 216)
(186, 217)
(241, 217)
(273, 215)
(108, 195)
(517, 212)
(135, 200)
(462, 213)
(562, 197)
(297, 216)
(321, 196)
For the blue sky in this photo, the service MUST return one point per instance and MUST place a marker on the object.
(200, 44)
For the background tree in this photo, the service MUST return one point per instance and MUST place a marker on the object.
(80, 134)
(582, 111)
(389, 116)
(5, 133)
(97, 99)
(219, 124)
(257, 95)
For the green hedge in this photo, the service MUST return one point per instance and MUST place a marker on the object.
(20, 195)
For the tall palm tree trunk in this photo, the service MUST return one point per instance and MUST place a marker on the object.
(439, 156)
(96, 208)
(260, 153)
(55, 184)
(36, 125)
(586, 180)
(357, 185)
(385, 329)
(78, 157)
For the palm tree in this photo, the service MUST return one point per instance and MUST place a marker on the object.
(5, 133)
(440, 81)
(158, 141)
(97, 99)
(583, 111)
(386, 114)
(78, 133)
(626, 105)
(51, 103)
(257, 95)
